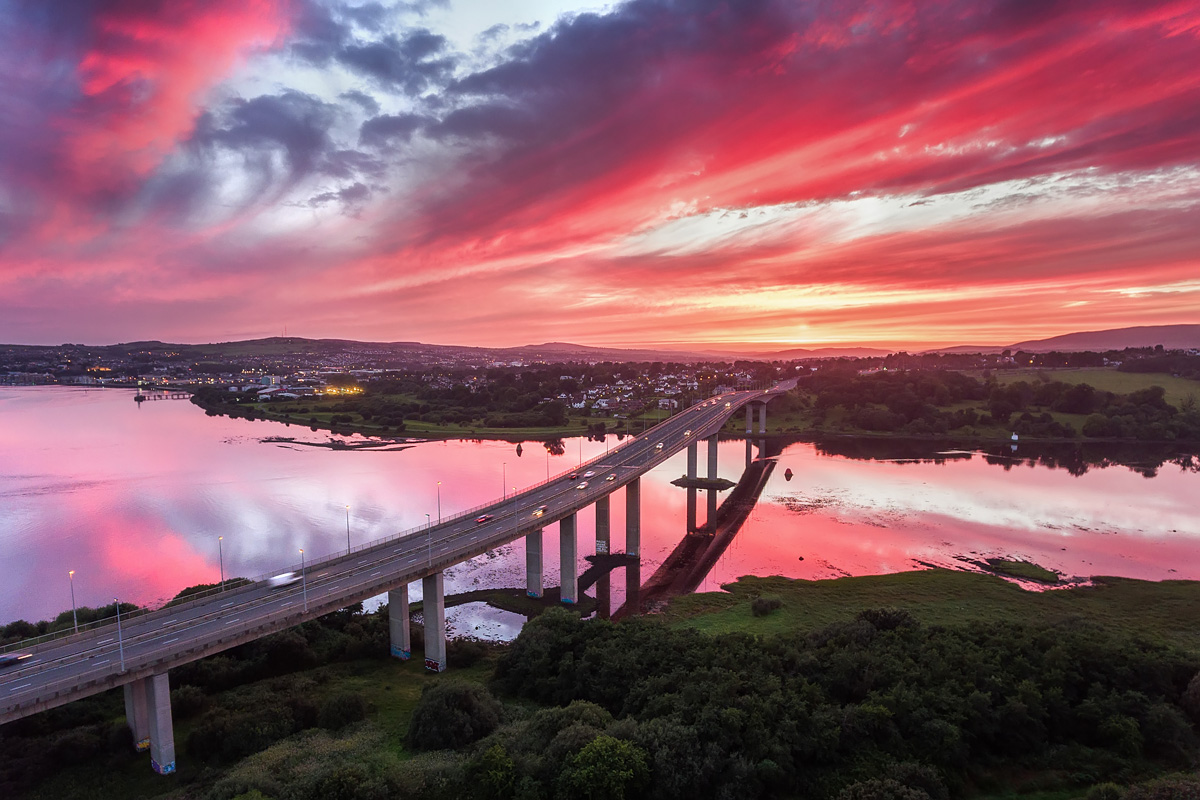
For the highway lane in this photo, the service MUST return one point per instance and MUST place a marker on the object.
(73, 667)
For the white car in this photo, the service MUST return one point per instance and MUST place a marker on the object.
(589, 474)
(658, 446)
(283, 579)
(612, 476)
(582, 485)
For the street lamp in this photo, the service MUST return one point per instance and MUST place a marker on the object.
(303, 579)
(120, 640)
(547, 465)
(347, 530)
(439, 490)
(221, 559)
(74, 616)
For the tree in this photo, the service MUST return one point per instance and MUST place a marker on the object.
(605, 768)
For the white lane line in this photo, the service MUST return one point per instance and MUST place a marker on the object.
(285, 605)
(98, 663)
(365, 560)
(376, 572)
(104, 641)
(227, 605)
(22, 686)
(232, 621)
(168, 641)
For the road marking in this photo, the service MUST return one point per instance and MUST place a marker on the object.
(104, 641)
(233, 621)
(285, 605)
(168, 641)
(22, 686)
(227, 605)
(377, 572)
(365, 560)
(98, 663)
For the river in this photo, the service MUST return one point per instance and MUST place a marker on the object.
(133, 497)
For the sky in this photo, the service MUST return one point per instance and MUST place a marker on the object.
(652, 172)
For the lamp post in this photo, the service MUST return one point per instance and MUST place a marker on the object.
(74, 616)
(347, 530)
(303, 579)
(221, 559)
(120, 639)
(439, 490)
(547, 465)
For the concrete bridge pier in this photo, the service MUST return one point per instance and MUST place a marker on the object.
(137, 713)
(633, 517)
(433, 607)
(691, 509)
(711, 517)
(398, 623)
(749, 417)
(633, 586)
(568, 563)
(691, 460)
(158, 712)
(604, 596)
(603, 534)
(749, 451)
(533, 563)
(762, 417)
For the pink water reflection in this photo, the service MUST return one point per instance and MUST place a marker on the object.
(134, 498)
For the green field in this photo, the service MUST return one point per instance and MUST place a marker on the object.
(1168, 611)
(1107, 380)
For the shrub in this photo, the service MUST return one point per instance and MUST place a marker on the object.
(452, 715)
(762, 606)
(342, 709)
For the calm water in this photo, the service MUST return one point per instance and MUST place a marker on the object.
(134, 497)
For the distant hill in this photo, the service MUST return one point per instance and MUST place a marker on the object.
(1172, 337)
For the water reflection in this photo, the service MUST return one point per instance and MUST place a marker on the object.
(133, 498)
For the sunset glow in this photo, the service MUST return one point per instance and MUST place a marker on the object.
(653, 172)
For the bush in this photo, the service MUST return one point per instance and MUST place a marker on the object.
(452, 715)
(342, 709)
(762, 606)
(187, 701)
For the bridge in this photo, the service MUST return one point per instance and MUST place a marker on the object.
(137, 652)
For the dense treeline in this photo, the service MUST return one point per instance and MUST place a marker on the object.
(928, 711)
(925, 402)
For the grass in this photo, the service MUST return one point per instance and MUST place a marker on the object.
(1022, 569)
(1104, 379)
(1167, 611)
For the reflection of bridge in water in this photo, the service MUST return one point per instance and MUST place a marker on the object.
(689, 563)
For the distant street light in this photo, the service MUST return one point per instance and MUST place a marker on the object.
(120, 640)
(74, 616)
(303, 580)
(221, 559)
(347, 530)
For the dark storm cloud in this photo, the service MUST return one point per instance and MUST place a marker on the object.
(405, 63)
(294, 122)
(362, 99)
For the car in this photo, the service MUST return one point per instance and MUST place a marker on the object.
(687, 432)
(590, 474)
(12, 659)
(573, 475)
(658, 446)
(582, 485)
(727, 405)
(537, 512)
(612, 476)
(282, 579)
(484, 518)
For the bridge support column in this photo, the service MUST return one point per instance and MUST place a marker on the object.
(691, 460)
(749, 417)
(749, 451)
(533, 563)
(568, 563)
(162, 735)
(762, 417)
(603, 534)
(433, 608)
(633, 586)
(712, 456)
(633, 517)
(137, 712)
(691, 509)
(604, 596)
(398, 622)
